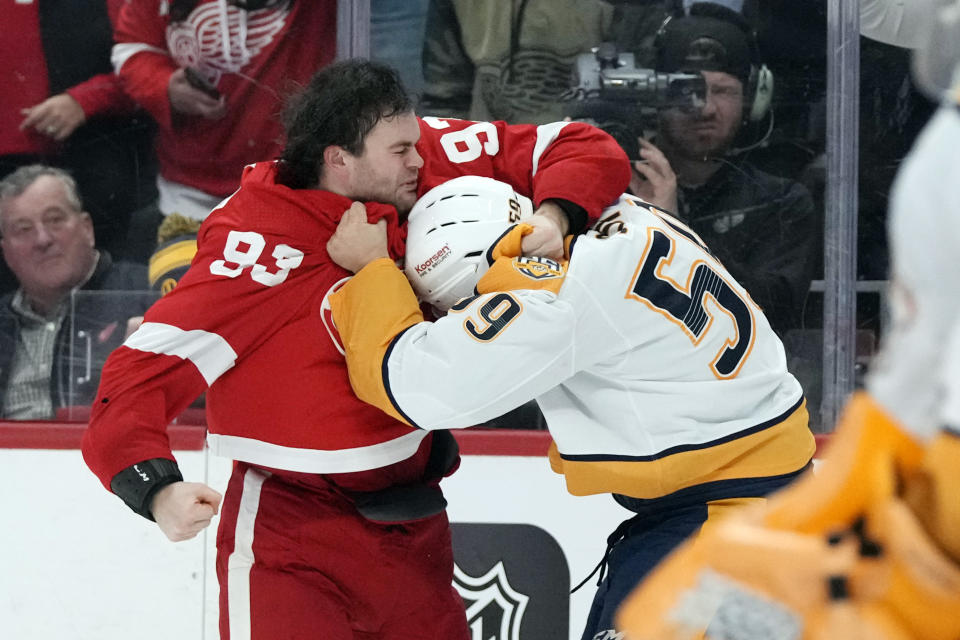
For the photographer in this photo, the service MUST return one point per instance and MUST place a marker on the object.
(762, 227)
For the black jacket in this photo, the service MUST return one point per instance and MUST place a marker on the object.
(94, 326)
(766, 232)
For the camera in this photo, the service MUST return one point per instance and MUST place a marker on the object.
(610, 91)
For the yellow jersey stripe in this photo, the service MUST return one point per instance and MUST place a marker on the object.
(368, 311)
(775, 450)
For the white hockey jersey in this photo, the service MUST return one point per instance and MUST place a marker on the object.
(654, 369)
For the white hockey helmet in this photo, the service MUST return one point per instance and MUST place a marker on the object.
(449, 231)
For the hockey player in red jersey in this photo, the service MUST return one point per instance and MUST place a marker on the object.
(333, 524)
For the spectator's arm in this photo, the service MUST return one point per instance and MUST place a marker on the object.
(141, 60)
(102, 95)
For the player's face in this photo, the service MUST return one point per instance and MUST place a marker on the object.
(47, 243)
(387, 168)
(710, 130)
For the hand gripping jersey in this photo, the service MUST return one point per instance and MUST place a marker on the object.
(655, 370)
(249, 322)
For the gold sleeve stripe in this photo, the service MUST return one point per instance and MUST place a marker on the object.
(778, 449)
(174, 256)
(369, 311)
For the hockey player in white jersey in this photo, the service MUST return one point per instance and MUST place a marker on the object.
(660, 380)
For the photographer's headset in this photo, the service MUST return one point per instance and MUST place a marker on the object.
(758, 89)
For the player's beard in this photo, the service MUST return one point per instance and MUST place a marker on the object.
(402, 192)
(401, 199)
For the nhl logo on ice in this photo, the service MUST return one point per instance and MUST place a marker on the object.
(494, 609)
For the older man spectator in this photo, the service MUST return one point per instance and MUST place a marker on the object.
(48, 242)
(63, 105)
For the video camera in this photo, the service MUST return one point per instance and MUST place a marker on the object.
(610, 91)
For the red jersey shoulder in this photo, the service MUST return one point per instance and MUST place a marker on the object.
(452, 148)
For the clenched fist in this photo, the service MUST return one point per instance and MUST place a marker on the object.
(184, 509)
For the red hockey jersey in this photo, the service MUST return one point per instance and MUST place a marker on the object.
(250, 319)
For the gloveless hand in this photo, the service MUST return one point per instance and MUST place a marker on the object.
(56, 117)
(550, 225)
(184, 509)
(653, 179)
(189, 100)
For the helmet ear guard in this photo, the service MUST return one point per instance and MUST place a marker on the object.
(449, 231)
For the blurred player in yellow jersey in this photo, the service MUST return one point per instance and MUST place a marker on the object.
(869, 545)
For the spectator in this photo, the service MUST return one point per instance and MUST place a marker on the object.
(763, 228)
(243, 56)
(48, 243)
(335, 490)
(493, 61)
(62, 105)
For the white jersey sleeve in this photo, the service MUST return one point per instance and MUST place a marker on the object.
(489, 355)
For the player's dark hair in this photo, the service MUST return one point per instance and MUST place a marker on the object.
(342, 103)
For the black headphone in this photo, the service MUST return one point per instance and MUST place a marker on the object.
(758, 89)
